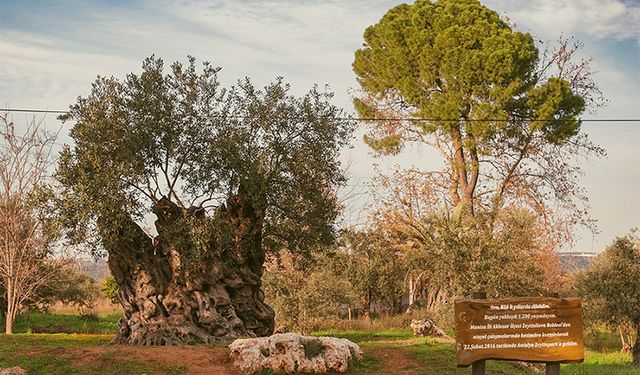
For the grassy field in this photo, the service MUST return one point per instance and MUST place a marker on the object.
(438, 357)
(393, 351)
(37, 322)
(64, 354)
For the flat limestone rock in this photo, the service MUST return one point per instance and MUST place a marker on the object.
(15, 370)
(426, 327)
(290, 352)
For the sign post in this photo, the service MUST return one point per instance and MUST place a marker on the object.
(532, 329)
(552, 368)
(478, 367)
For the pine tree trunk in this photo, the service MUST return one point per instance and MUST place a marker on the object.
(216, 298)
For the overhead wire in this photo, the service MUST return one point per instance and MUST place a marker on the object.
(25, 110)
(363, 119)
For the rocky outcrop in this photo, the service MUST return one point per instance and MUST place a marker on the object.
(426, 327)
(290, 352)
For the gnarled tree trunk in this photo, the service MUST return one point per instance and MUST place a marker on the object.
(214, 298)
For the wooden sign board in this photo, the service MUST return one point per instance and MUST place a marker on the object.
(533, 329)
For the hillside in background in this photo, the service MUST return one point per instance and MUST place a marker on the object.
(575, 261)
(97, 269)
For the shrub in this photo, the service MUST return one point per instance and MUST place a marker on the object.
(110, 289)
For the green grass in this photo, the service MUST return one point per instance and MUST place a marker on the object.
(25, 350)
(61, 340)
(368, 363)
(38, 322)
(49, 354)
(42, 354)
(596, 363)
(441, 359)
(438, 357)
(433, 356)
(598, 337)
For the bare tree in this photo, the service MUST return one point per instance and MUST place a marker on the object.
(25, 238)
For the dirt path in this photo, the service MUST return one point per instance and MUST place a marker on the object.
(196, 360)
(394, 361)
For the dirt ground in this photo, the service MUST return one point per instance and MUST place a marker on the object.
(394, 361)
(196, 360)
(209, 361)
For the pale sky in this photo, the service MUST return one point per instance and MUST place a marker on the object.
(51, 51)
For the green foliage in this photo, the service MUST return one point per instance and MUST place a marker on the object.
(610, 287)
(362, 272)
(458, 60)
(503, 118)
(70, 286)
(110, 289)
(503, 255)
(182, 137)
(305, 299)
(371, 265)
(601, 337)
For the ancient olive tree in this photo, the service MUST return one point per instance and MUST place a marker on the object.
(610, 288)
(229, 174)
(503, 117)
(26, 233)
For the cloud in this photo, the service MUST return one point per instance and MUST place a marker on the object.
(50, 53)
(597, 19)
(37, 73)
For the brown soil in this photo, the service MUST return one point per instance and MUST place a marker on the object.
(209, 361)
(196, 360)
(394, 361)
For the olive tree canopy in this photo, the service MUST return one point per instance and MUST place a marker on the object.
(228, 173)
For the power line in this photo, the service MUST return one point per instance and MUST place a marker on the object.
(373, 119)
(32, 110)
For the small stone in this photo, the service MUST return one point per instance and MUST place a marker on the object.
(15, 370)
(290, 352)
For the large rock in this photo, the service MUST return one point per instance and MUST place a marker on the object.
(290, 352)
(426, 327)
